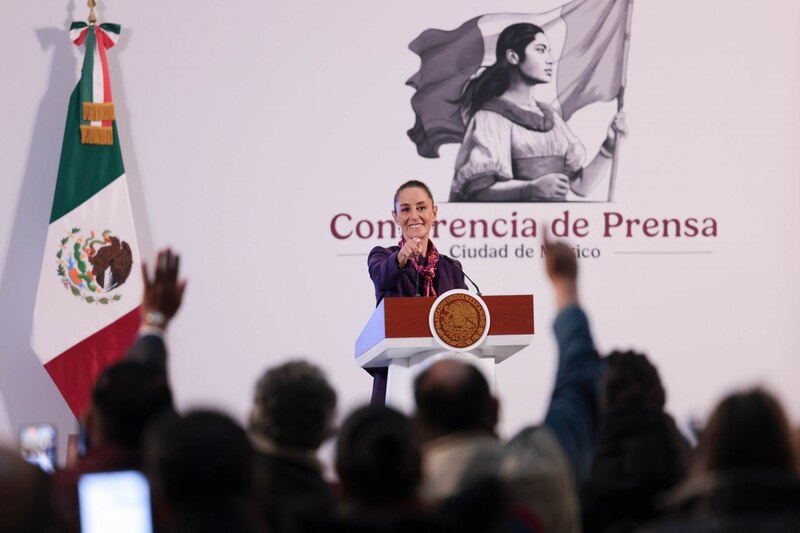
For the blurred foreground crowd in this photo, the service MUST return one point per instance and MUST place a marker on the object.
(606, 457)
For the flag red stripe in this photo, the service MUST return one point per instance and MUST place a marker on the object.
(102, 43)
(75, 370)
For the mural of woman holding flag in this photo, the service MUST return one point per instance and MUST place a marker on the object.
(515, 148)
(475, 86)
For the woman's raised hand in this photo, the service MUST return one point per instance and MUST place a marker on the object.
(410, 250)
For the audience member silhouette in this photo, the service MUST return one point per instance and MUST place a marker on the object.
(538, 475)
(201, 470)
(745, 476)
(456, 417)
(125, 398)
(128, 395)
(292, 415)
(378, 460)
(544, 463)
(747, 430)
(379, 466)
(796, 444)
(640, 452)
(26, 500)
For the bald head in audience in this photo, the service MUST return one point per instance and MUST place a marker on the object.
(453, 397)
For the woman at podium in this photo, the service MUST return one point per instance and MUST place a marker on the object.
(414, 267)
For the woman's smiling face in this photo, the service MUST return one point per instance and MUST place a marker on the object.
(414, 213)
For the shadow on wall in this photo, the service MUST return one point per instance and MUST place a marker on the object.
(27, 393)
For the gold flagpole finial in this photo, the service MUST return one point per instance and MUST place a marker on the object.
(92, 17)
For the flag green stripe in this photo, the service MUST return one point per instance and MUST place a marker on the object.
(85, 169)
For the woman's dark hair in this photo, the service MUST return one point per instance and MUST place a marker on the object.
(747, 430)
(495, 80)
(411, 184)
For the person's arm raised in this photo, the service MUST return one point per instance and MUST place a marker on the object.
(573, 411)
(163, 295)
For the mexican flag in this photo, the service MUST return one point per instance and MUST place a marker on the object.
(588, 43)
(87, 304)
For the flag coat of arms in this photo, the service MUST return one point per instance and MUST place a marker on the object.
(587, 38)
(87, 303)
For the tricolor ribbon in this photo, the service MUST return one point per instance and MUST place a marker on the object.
(95, 84)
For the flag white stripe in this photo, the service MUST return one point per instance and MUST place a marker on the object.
(62, 319)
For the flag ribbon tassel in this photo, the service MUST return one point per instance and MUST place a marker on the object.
(95, 91)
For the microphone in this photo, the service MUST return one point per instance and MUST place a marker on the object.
(421, 260)
(453, 262)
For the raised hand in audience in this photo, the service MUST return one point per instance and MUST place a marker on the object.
(163, 292)
(562, 268)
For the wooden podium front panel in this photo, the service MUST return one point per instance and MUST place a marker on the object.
(511, 315)
(409, 317)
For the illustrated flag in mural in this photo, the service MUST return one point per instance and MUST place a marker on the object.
(587, 37)
(87, 304)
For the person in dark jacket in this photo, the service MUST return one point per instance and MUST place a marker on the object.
(292, 416)
(745, 474)
(640, 453)
(200, 467)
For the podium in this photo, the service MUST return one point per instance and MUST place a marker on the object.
(398, 335)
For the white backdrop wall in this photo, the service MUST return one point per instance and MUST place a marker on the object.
(247, 126)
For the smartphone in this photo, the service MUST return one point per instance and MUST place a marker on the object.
(37, 444)
(115, 501)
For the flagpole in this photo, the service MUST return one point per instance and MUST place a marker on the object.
(626, 45)
(92, 18)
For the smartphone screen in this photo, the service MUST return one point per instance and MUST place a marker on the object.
(37, 444)
(115, 501)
